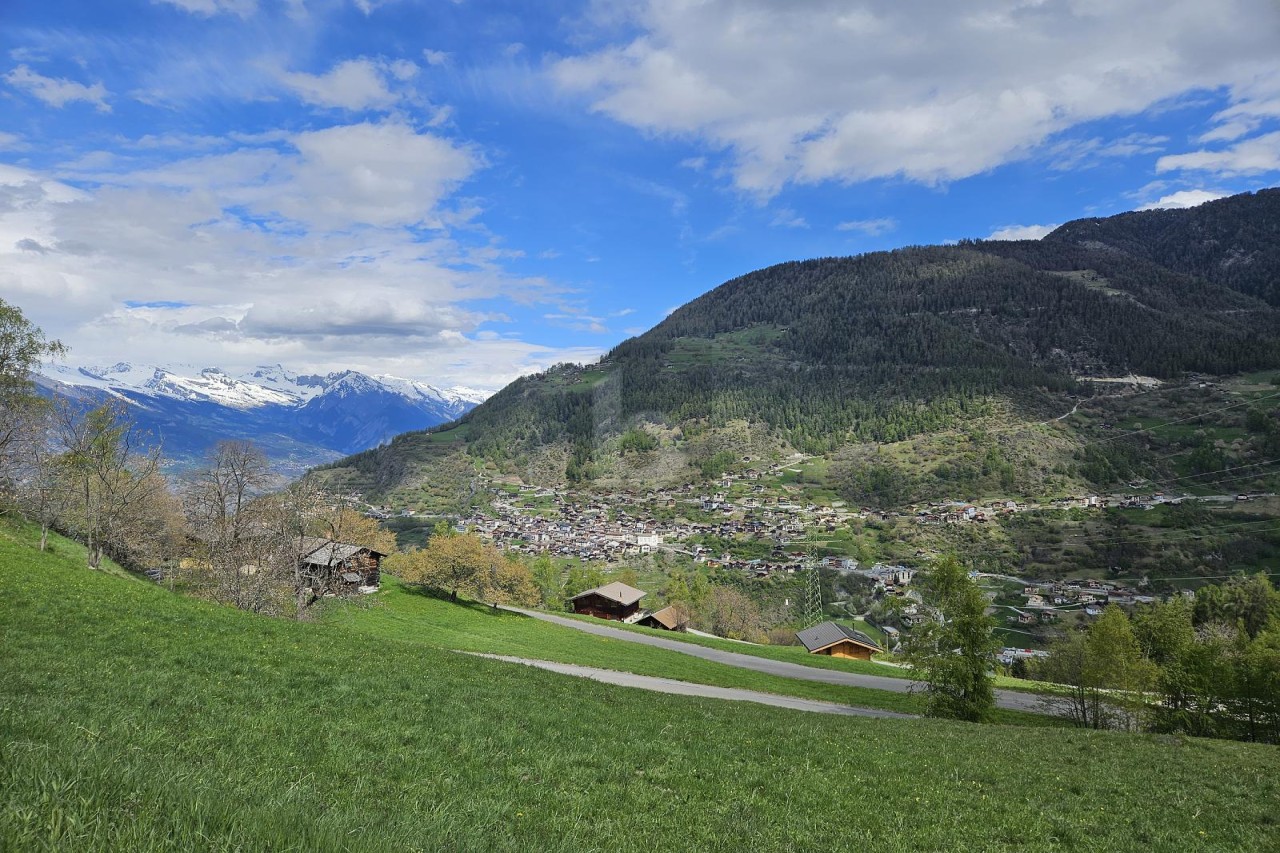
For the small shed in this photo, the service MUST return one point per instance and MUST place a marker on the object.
(353, 565)
(836, 640)
(668, 619)
(615, 601)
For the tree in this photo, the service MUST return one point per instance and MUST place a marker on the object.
(22, 347)
(728, 612)
(953, 657)
(546, 577)
(118, 503)
(1106, 670)
(226, 507)
(340, 523)
(467, 565)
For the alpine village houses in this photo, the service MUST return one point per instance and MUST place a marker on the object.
(618, 602)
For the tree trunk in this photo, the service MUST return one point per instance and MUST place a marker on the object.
(44, 537)
(453, 596)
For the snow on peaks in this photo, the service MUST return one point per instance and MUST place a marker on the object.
(265, 385)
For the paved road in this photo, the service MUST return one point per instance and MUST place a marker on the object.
(706, 691)
(1010, 699)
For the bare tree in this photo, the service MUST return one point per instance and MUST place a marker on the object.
(227, 508)
(117, 501)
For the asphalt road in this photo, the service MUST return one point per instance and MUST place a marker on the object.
(1010, 699)
(706, 691)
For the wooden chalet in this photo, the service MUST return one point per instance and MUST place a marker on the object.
(615, 601)
(332, 564)
(836, 640)
(668, 619)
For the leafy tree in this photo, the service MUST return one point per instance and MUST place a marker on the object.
(1106, 671)
(546, 577)
(953, 657)
(465, 564)
(343, 524)
(582, 578)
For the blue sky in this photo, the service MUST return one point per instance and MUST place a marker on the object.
(460, 192)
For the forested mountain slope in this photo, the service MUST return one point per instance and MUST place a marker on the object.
(824, 353)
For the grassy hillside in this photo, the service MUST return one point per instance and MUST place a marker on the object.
(134, 719)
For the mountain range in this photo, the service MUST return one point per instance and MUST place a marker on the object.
(824, 355)
(299, 420)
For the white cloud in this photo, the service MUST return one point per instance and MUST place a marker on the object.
(435, 57)
(357, 84)
(788, 218)
(243, 8)
(1183, 198)
(1247, 157)
(298, 248)
(846, 93)
(1020, 232)
(57, 91)
(870, 227)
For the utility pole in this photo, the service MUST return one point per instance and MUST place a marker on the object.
(812, 594)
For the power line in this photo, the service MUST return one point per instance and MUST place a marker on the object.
(1184, 420)
(1173, 538)
(1211, 473)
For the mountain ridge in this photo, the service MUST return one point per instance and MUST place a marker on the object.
(828, 353)
(299, 419)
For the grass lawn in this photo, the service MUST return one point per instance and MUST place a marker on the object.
(134, 719)
(405, 615)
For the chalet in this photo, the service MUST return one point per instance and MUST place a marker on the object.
(615, 601)
(331, 564)
(841, 641)
(668, 619)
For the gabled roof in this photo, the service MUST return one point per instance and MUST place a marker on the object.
(827, 634)
(667, 617)
(619, 592)
(323, 552)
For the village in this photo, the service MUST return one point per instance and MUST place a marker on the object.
(761, 530)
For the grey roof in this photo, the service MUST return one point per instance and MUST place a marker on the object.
(619, 592)
(323, 552)
(829, 633)
(351, 577)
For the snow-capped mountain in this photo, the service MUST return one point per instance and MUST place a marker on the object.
(303, 418)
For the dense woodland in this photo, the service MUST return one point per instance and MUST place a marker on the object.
(884, 346)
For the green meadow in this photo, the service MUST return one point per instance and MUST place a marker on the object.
(135, 719)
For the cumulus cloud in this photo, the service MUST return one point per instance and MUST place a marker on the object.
(304, 248)
(1020, 232)
(357, 84)
(57, 91)
(1251, 156)
(883, 89)
(1182, 199)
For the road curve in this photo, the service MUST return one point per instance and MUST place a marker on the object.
(1009, 699)
(705, 691)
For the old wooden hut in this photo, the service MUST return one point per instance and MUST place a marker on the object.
(330, 565)
(841, 641)
(668, 619)
(615, 601)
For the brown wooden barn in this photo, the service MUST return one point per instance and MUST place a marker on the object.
(841, 641)
(615, 601)
(335, 564)
(668, 619)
